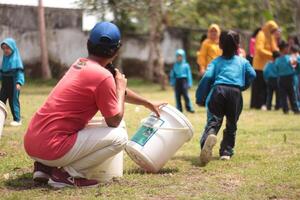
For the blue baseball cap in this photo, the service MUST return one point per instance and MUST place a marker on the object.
(105, 33)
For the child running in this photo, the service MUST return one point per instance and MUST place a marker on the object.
(12, 76)
(181, 79)
(220, 89)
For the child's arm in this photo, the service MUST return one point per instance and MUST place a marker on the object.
(249, 76)
(297, 69)
(189, 76)
(205, 85)
(20, 79)
(172, 78)
(265, 72)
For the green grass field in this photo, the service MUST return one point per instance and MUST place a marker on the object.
(266, 164)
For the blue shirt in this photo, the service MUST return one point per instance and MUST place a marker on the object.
(181, 70)
(236, 71)
(12, 65)
(284, 66)
(270, 71)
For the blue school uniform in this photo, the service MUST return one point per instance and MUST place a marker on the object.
(271, 78)
(236, 72)
(181, 79)
(297, 81)
(220, 88)
(11, 73)
(287, 89)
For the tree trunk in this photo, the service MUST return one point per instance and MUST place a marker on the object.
(155, 65)
(45, 69)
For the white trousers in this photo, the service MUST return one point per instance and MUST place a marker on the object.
(95, 144)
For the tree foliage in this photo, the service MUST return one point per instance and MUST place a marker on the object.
(238, 14)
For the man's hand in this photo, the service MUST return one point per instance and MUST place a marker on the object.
(121, 81)
(155, 107)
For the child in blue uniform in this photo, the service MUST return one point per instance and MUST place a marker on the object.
(12, 76)
(295, 58)
(271, 78)
(286, 73)
(220, 89)
(181, 80)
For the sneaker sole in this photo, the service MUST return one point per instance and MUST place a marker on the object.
(225, 158)
(40, 177)
(206, 152)
(55, 184)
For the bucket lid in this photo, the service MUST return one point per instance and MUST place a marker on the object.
(182, 116)
(3, 107)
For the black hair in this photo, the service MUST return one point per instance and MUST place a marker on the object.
(229, 43)
(295, 48)
(282, 45)
(104, 49)
(275, 54)
(294, 38)
(203, 37)
(255, 32)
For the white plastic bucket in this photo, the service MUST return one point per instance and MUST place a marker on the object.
(158, 139)
(111, 168)
(3, 114)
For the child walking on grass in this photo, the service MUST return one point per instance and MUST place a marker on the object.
(220, 89)
(12, 76)
(271, 78)
(287, 70)
(181, 79)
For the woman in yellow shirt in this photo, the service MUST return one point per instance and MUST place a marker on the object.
(210, 48)
(265, 45)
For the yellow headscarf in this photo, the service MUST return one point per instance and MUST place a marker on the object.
(268, 27)
(213, 26)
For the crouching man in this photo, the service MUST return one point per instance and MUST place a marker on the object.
(57, 139)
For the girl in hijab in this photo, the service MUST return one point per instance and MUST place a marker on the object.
(210, 48)
(12, 76)
(181, 79)
(265, 45)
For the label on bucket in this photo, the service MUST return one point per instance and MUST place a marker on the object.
(147, 130)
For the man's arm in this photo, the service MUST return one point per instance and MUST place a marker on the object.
(134, 98)
(121, 83)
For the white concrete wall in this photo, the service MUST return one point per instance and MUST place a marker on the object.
(64, 45)
(65, 38)
(137, 48)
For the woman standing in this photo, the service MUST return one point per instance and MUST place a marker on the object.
(210, 48)
(265, 45)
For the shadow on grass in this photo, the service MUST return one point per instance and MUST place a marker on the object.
(194, 160)
(23, 182)
(161, 171)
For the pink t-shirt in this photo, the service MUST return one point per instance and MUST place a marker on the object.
(86, 88)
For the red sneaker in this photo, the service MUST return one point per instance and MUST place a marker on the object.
(41, 173)
(60, 179)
